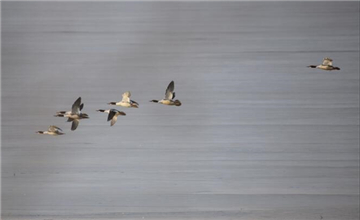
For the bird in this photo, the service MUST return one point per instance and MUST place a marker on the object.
(112, 114)
(52, 130)
(74, 115)
(169, 96)
(326, 65)
(126, 101)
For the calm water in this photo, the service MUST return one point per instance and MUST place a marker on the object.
(259, 135)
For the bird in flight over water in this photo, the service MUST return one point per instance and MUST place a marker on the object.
(74, 115)
(126, 101)
(326, 65)
(52, 130)
(169, 96)
(112, 115)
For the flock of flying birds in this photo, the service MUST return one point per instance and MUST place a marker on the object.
(75, 114)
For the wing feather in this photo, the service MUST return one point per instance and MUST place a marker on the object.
(111, 114)
(51, 128)
(113, 120)
(169, 91)
(75, 109)
(74, 124)
(327, 62)
(126, 96)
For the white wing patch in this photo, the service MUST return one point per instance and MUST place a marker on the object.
(113, 120)
(53, 128)
(327, 61)
(126, 97)
(169, 91)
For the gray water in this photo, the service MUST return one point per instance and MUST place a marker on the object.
(259, 135)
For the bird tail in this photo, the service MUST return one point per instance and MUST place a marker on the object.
(134, 105)
(60, 114)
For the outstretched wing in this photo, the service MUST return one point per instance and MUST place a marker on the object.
(327, 61)
(126, 96)
(169, 91)
(74, 124)
(111, 114)
(113, 120)
(75, 109)
(53, 128)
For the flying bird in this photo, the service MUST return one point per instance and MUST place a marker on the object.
(112, 115)
(169, 96)
(126, 101)
(74, 115)
(52, 130)
(326, 65)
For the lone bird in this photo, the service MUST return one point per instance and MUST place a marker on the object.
(326, 65)
(112, 115)
(126, 101)
(52, 130)
(74, 115)
(169, 96)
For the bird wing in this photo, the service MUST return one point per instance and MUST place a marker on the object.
(126, 96)
(53, 128)
(169, 91)
(327, 62)
(111, 114)
(74, 124)
(113, 120)
(75, 109)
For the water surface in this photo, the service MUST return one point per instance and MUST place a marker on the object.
(259, 135)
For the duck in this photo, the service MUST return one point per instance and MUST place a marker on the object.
(112, 114)
(326, 65)
(126, 101)
(52, 130)
(169, 96)
(74, 115)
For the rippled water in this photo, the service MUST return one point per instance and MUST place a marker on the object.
(259, 135)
